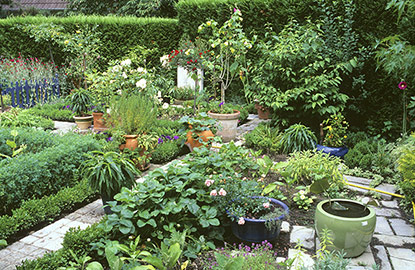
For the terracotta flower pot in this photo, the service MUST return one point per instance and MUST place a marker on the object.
(99, 123)
(263, 112)
(204, 136)
(131, 141)
(228, 124)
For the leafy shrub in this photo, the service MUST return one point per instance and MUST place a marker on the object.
(407, 168)
(297, 138)
(24, 118)
(307, 166)
(265, 138)
(35, 211)
(361, 155)
(34, 175)
(34, 139)
(165, 152)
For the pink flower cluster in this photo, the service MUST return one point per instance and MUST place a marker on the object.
(221, 192)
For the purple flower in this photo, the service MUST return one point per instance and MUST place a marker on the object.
(160, 141)
(402, 85)
(109, 139)
(176, 137)
(220, 105)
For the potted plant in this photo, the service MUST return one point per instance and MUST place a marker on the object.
(333, 143)
(141, 155)
(253, 218)
(198, 130)
(80, 102)
(108, 172)
(227, 118)
(350, 223)
(134, 115)
(262, 110)
(181, 94)
(98, 112)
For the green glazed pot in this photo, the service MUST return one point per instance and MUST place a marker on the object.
(350, 234)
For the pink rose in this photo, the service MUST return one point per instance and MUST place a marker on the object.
(241, 221)
(209, 182)
(266, 205)
(222, 192)
(213, 193)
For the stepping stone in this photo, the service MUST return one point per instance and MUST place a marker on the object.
(301, 259)
(386, 187)
(401, 227)
(387, 212)
(285, 227)
(383, 257)
(302, 235)
(382, 226)
(390, 204)
(394, 240)
(402, 258)
(358, 180)
(366, 259)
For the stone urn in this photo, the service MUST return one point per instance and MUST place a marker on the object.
(228, 123)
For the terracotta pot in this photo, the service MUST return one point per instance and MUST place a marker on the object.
(263, 112)
(131, 141)
(204, 136)
(83, 122)
(99, 123)
(228, 124)
(143, 166)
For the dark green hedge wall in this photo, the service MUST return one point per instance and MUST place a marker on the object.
(119, 34)
(256, 13)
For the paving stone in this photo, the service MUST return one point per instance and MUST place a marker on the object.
(383, 257)
(16, 246)
(52, 241)
(386, 187)
(390, 204)
(401, 227)
(38, 252)
(285, 227)
(394, 240)
(303, 235)
(366, 259)
(73, 216)
(3, 265)
(358, 180)
(402, 258)
(52, 227)
(29, 239)
(5, 253)
(301, 259)
(356, 267)
(28, 249)
(382, 226)
(386, 212)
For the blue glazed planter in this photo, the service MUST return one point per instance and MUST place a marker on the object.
(333, 151)
(254, 230)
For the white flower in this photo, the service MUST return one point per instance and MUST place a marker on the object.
(141, 83)
(116, 68)
(124, 75)
(222, 192)
(164, 60)
(302, 197)
(159, 94)
(226, 43)
(126, 62)
(241, 221)
(209, 182)
(141, 70)
(266, 205)
(119, 92)
(165, 105)
(302, 192)
(213, 193)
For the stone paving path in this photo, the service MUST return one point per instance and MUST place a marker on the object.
(392, 245)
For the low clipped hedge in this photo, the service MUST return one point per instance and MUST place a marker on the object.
(36, 211)
(23, 118)
(119, 35)
(76, 240)
(57, 111)
(34, 175)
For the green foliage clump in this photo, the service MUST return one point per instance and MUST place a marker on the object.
(361, 155)
(35, 211)
(308, 166)
(57, 111)
(34, 175)
(165, 152)
(265, 138)
(24, 118)
(407, 169)
(297, 138)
